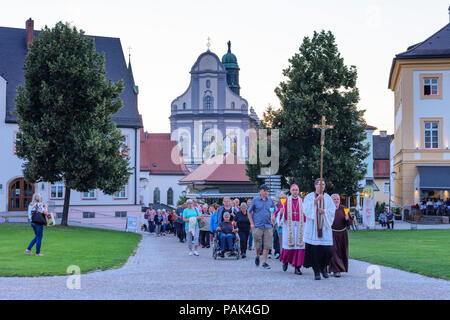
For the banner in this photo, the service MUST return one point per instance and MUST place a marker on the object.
(368, 213)
(132, 223)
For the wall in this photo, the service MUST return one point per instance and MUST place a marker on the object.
(163, 182)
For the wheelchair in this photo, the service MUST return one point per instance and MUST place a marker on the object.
(236, 250)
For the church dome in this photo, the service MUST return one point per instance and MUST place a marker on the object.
(229, 60)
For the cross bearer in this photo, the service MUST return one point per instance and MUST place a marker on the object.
(318, 250)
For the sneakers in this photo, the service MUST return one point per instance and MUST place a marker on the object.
(257, 261)
(277, 255)
(316, 275)
(297, 271)
(196, 253)
(222, 255)
(190, 253)
(285, 266)
(265, 265)
(269, 256)
(243, 256)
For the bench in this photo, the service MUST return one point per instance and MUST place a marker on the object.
(8, 215)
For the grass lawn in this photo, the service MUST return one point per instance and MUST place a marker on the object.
(421, 251)
(90, 249)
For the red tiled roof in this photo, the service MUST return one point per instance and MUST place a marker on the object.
(219, 169)
(160, 155)
(381, 168)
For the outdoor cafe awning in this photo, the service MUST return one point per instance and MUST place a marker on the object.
(434, 177)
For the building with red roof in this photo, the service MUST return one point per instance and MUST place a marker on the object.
(162, 166)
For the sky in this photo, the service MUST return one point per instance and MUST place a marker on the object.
(167, 36)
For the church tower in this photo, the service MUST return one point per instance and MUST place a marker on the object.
(229, 61)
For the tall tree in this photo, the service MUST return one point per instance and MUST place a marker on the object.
(319, 83)
(64, 116)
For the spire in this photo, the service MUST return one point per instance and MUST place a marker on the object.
(229, 46)
(130, 72)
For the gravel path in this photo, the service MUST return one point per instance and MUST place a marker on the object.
(156, 272)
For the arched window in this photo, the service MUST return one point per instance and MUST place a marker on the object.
(156, 196)
(232, 105)
(184, 105)
(208, 84)
(170, 196)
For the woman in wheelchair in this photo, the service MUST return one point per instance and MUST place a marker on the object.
(225, 232)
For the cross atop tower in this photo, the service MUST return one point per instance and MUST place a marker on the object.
(208, 44)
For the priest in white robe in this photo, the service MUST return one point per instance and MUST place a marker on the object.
(292, 220)
(318, 250)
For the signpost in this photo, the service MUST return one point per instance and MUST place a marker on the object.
(131, 223)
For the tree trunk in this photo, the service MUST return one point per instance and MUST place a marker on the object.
(65, 213)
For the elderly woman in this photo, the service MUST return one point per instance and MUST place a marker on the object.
(158, 222)
(191, 215)
(227, 234)
(243, 224)
(205, 230)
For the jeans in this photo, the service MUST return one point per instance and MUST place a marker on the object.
(276, 242)
(226, 240)
(158, 229)
(204, 238)
(151, 226)
(38, 231)
(163, 228)
(243, 238)
(181, 232)
(189, 238)
(390, 222)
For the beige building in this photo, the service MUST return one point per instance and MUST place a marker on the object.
(420, 80)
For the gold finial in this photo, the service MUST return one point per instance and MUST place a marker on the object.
(208, 44)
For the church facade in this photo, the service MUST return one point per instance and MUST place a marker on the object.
(211, 117)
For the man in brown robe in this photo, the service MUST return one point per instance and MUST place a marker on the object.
(339, 261)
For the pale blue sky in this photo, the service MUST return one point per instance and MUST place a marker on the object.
(167, 37)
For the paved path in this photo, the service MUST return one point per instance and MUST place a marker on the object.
(156, 272)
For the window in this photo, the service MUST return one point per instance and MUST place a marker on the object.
(59, 215)
(386, 187)
(208, 84)
(430, 86)
(156, 195)
(170, 196)
(233, 105)
(208, 103)
(122, 193)
(88, 215)
(431, 134)
(121, 214)
(184, 105)
(57, 190)
(91, 194)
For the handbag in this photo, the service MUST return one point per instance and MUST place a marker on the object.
(201, 223)
(37, 217)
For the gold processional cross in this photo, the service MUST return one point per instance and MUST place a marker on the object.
(323, 127)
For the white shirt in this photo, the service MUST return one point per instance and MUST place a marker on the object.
(310, 234)
(31, 206)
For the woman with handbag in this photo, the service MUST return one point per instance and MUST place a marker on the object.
(36, 214)
(204, 225)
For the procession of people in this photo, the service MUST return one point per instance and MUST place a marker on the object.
(310, 232)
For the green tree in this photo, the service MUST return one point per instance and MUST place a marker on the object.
(319, 83)
(64, 116)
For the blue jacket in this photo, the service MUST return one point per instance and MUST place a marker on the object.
(213, 223)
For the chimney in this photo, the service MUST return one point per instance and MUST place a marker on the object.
(383, 133)
(30, 32)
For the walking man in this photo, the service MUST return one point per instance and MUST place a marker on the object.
(261, 216)
(319, 211)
